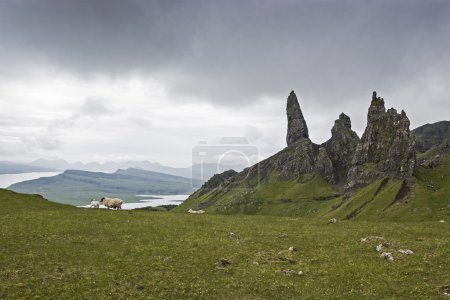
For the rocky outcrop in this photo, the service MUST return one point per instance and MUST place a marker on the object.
(341, 147)
(386, 150)
(297, 128)
(386, 147)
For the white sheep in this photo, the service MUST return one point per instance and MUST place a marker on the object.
(112, 202)
(191, 211)
(95, 204)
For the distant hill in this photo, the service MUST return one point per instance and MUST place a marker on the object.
(78, 187)
(431, 135)
(209, 169)
(15, 168)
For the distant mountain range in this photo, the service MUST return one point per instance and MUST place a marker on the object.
(16, 168)
(78, 187)
(52, 165)
(209, 169)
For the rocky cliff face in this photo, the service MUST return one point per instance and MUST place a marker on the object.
(297, 128)
(386, 147)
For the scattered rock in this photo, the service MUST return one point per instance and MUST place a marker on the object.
(446, 290)
(380, 248)
(289, 272)
(166, 259)
(406, 251)
(292, 249)
(332, 221)
(442, 221)
(387, 255)
(234, 235)
(223, 263)
(371, 238)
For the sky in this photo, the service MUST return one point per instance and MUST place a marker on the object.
(109, 80)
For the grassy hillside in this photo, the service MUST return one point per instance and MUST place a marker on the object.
(425, 197)
(55, 251)
(78, 187)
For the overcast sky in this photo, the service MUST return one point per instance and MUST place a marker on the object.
(146, 80)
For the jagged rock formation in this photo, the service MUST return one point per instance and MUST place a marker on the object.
(297, 128)
(386, 147)
(307, 172)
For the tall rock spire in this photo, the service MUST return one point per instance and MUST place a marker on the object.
(297, 128)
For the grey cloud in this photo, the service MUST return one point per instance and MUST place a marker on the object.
(93, 107)
(141, 122)
(42, 141)
(253, 133)
(90, 109)
(233, 52)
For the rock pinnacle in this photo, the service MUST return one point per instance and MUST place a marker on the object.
(297, 128)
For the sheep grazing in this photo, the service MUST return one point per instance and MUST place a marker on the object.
(95, 204)
(191, 211)
(114, 203)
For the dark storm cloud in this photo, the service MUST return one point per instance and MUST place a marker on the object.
(230, 51)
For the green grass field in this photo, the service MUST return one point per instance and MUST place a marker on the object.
(54, 251)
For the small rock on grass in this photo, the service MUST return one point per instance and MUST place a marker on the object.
(442, 221)
(387, 256)
(292, 249)
(332, 221)
(234, 235)
(371, 238)
(405, 251)
(289, 272)
(446, 290)
(223, 263)
(381, 247)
